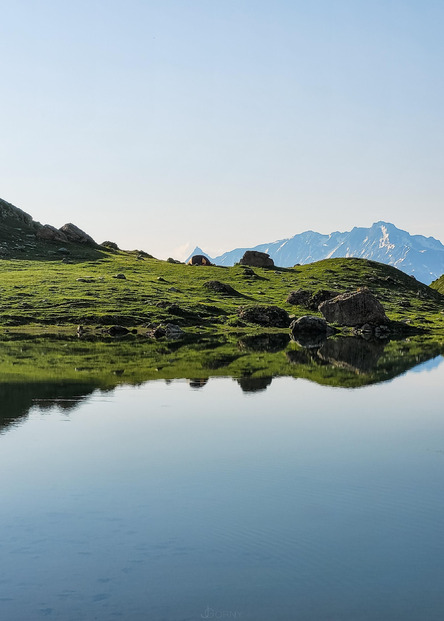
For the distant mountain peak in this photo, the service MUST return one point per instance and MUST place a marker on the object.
(422, 257)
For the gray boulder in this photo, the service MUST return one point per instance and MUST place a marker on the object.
(354, 309)
(311, 324)
(50, 233)
(256, 259)
(76, 235)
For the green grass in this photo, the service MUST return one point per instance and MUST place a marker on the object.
(42, 302)
(39, 293)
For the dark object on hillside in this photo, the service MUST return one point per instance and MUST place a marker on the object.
(321, 296)
(309, 324)
(120, 276)
(249, 272)
(199, 259)
(175, 261)
(256, 259)
(111, 245)
(220, 287)
(354, 309)
(267, 316)
(76, 235)
(299, 297)
(118, 331)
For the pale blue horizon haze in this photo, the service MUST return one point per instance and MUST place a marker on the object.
(166, 124)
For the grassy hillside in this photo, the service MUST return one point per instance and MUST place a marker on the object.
(438, 284)
(54, 293)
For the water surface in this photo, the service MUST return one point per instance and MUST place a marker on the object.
(184, 500)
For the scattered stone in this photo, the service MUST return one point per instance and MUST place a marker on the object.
(120, 276)
(257, 259)
(220, 287)
(173, 290)
(85, 279)
(63, 251)
(249, 272)
(267, 316)
(199, 259)
(175, 261)
(354, 309)
(160, 279)
(173, 331)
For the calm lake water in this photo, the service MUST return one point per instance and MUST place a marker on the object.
(176, 502)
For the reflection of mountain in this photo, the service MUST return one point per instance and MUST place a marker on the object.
(17, 399)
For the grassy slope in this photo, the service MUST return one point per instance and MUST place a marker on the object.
(48, 292)
(45, 299)
(438, 284)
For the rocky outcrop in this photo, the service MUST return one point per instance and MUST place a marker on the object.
(267, 316)
(254, 258)
(354, 309)
(50, 233)
(76, 235)
(9, 211)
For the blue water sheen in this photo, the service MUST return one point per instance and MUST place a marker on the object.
(173, 503)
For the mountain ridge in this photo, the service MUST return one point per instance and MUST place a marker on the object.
(416, 255)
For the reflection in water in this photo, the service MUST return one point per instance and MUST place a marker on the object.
(347, 362)
(254, 384)
(198, 383)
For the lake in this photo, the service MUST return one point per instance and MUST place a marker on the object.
(275, 499)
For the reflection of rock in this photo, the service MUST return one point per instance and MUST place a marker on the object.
(198, 382)
(254, 384)
(310, 340)
(354, 309)
(356, 354)
(264, 342)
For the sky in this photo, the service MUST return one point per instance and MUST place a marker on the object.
(165, 124)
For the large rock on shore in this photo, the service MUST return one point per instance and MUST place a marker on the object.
(253, 258)
(354, 309)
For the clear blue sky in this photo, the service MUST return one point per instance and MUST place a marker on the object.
(222, 123)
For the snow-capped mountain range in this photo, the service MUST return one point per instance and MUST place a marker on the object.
(419, 256)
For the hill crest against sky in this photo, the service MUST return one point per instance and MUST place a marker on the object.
(419, 256)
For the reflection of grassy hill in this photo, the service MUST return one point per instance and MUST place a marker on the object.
(86, 292)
